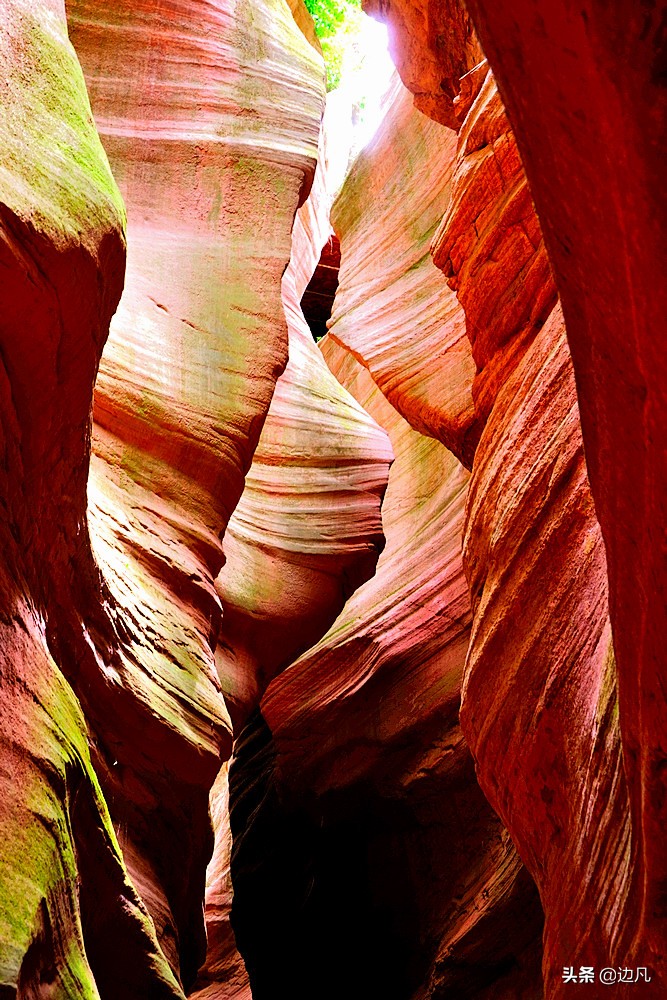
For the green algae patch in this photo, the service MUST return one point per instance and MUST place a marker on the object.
(607, 716)
(53, 819)
(54, 173)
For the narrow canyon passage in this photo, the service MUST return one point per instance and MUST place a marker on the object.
(325, 668)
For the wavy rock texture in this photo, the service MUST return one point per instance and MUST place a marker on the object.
(592, 136)
(539, 705)
(210, 115)
(307, 531)
(66, 904)
(365, 856)
(365, 859)
(386, 216)
(305, 534)
(374, 841)
(490, 247)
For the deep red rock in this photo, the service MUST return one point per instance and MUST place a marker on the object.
(570, 106)
(435, 49)
(490, 247)
(584, 93)
(539, 703)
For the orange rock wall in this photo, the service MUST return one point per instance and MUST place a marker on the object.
(442, 678)
(586, 100)
(553, 722)
(365, 858)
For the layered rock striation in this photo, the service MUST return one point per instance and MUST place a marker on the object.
(441, 678)
(585, 96)
(409, 877)
(183, 390)
(305, 534)
(210, 116)
(566, 765)
(365, 858)
(66, 902)
(399, 317)
(539, 698)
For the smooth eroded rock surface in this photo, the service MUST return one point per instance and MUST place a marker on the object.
(365, 858)
(540, 701)
(210, 115)
(364, 852)
(393, 309)
(539, 704)
(66, 902)
(305, 534)
(443, 678)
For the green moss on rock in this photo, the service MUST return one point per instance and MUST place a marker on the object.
(54, 173)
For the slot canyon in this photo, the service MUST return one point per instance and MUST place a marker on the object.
(333, 493)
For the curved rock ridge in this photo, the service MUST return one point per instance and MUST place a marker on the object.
(224, 973)
(539, 702)
(586, 97)
(210, 113)
(66, 903)
(490, 247)
(434, 46)
(307, 530)
(305, 534)
(393, 309)
(399, 608)
(366, 858)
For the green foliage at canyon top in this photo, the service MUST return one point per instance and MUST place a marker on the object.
(336, 24)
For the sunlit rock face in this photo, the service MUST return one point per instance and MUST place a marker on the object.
(539, 704)
(588, 105)
(66, 903)
(435, 49)
(366, 859)
(307, 530)
(305, 534)
(210, 116)
(393, 309)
